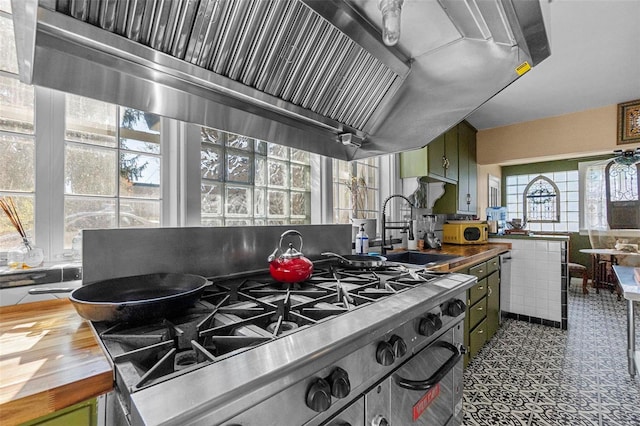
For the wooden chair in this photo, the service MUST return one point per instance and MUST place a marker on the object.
(575, 269)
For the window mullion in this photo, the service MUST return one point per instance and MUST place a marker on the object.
(190, 175)
(49, 211)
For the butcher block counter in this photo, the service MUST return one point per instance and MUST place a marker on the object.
(49, 360)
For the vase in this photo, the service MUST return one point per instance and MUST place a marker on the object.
(24, 256)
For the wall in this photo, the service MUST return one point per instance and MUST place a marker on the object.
(578, 134)
(483, 186)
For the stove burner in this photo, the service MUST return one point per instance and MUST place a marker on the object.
(184, 359)
(281, 327)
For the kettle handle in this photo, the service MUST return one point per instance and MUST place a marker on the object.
(290, 232)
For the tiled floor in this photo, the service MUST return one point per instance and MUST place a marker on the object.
(536, 375)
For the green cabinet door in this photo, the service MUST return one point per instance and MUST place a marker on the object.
(414, 163)
(443, 156)
(493, 304)
(467, 170)
(437, 157)
(82, 414)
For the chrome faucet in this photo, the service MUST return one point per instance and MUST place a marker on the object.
(383, 248)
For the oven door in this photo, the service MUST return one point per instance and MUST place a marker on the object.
(426, 390)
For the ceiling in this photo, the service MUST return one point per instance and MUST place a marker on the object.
(594, 62)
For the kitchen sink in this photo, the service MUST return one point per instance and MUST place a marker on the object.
(417, 258)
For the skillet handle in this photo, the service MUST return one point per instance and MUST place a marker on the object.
(50, 290)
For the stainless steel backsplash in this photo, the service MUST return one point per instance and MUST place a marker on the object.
(206, 251)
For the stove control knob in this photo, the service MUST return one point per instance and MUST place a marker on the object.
(379, 421)
(399, 346)
(384, 354)
(454, 307)
(430, 324)
(319, 396)
(340, 385)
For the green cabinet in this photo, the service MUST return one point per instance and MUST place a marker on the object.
(482, 316)
(461, 197)
(443, 156)
(467, 188)
(414, 163)
(437, 160)
(82, 414)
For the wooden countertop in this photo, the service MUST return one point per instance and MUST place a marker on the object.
(469, 254)
(49, 360)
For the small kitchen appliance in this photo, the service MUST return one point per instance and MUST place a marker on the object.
(431, 240)
(465, 232)
(497, 220)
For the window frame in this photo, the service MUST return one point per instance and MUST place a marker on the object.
(526, 199)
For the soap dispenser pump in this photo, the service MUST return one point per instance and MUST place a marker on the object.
(362, 242)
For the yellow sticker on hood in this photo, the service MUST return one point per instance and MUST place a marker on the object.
(523, 68)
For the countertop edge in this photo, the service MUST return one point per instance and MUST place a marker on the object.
(630, 289)
(21, 399)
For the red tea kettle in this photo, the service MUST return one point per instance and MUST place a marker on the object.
(291, 266)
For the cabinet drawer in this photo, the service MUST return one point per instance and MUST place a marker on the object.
(478, 291)
(477, 312)
(480, 270)
(493, 265)
(477, 338)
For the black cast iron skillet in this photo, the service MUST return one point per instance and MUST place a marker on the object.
(357, 261)
(136, 298)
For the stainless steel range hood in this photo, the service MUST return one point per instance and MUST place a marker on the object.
(310, 74)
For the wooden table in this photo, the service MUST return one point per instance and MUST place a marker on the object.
(631, 291)
(598, 276)
(49, 360)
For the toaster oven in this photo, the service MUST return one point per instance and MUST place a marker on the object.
(465, 232)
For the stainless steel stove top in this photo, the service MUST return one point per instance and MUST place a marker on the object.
(255, 328)
(237, 314)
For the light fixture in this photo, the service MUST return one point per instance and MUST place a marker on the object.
(390, 20)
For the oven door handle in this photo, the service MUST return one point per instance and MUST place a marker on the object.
(422, 385)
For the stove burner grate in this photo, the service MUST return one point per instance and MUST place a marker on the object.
(237, 314)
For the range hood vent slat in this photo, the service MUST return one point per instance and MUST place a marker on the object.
(269, 61)
(233, 25)
(184, 28)
(242, 50)
(331, 68)
(108, 12)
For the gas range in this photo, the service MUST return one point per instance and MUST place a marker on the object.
(252, 344)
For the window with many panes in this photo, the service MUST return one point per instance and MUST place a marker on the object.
(567, 186)
(541, 201)
(17, 138)
(355, 189)
(246, 181)
(111, 167)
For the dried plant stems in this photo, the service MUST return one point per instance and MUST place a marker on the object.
(9, 207)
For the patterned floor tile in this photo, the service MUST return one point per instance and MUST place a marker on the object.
(534, 375)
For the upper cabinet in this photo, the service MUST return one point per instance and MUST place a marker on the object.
(438, 160)
(467, 170)
(461, 197)
(443, 156)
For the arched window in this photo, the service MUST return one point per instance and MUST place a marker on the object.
(541, 200)
(623, 187)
